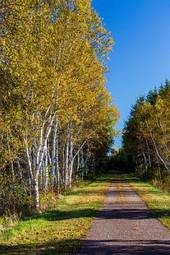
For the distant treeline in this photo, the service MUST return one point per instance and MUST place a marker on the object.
(146, 137)
(56, 116)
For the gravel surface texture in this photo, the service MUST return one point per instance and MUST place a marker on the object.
(125, 226)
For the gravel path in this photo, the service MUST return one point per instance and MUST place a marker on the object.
(125, 226)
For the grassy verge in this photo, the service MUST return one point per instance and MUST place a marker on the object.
(57, 231)
(7, 222)
(157, 200)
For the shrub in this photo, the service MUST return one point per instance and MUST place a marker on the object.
(14, 195)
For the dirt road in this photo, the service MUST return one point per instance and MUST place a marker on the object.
(125, 226)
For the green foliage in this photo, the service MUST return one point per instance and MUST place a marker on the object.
(14, 195)
(56, 114)
(57, 231)
(146, 135)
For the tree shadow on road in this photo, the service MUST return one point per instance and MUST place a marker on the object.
(114, 213)
(124, 247)
(90, 247)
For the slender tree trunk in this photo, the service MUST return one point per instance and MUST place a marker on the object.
(145, 161)
(53, 160)
(35, 194)
(78, 165)
(66, 165)
(156, 149)
(57, 164)
(148, 153)
(46, 169)
(41, 184)
(13, 172)
(71, 162)
(63, 165)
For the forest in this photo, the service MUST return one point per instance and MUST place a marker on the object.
(146, 136)
(62, 164)
(56, 115)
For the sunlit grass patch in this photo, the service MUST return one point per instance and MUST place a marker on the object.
(58, 230)
(157, 200)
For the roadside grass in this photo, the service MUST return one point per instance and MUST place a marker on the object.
(6, 222)
(57, 231)
(157, 200)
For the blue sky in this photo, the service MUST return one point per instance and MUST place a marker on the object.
(140, 59)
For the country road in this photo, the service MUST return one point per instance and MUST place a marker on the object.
(125, 226)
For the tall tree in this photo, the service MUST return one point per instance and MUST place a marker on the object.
(57, 109)
(146, 135)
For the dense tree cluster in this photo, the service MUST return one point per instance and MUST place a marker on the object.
(146, 139)
(55, 112)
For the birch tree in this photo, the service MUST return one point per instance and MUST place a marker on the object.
(146, 136)
(56, 105)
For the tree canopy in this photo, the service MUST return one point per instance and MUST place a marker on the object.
(146, 138)
(56, 112)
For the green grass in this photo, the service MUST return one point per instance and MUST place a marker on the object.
(57, 231)
(157, 200)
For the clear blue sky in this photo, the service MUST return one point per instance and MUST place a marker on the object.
(140, 59)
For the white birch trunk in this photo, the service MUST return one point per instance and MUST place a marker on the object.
(36, 198)
(53, 157)
(66, 165)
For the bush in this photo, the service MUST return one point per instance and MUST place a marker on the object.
(158, 177)
(48, 201)
(14, 195)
